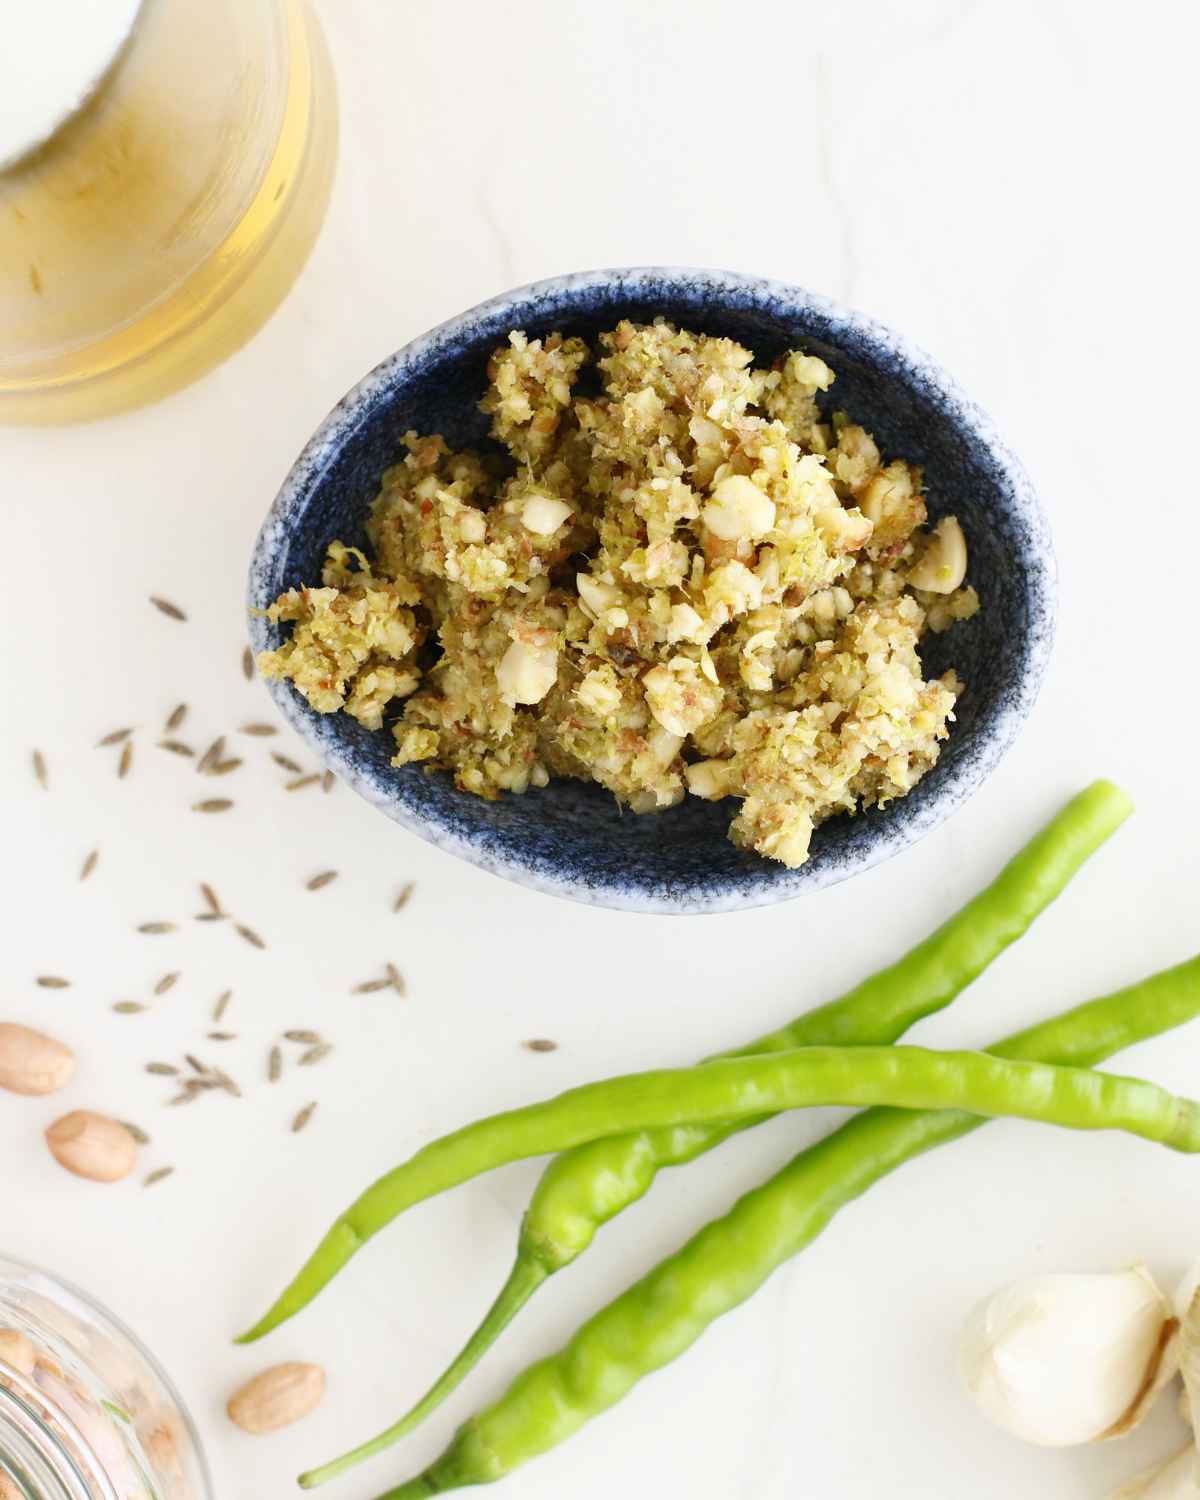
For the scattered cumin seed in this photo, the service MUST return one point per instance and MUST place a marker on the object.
(314, 1055)
(309, 1037)
(128, 1007)
(116, 737)
(162, 1070)
(126, 760)
(540, 1044)
(210, 916)
(250, 935)
(405, 896)
(210, 757)
(327, 780)
(303, 1117)
(194, 1063)
(212, 805)
(211, 899)
(175, 718)
(248, 664)
(260, 731)
(222, 1080)
(164, 606)
(168, 981)
(136, 1132)
(371, 986)
(154, 929)
(186, 1096)
(396, 980)
(301, 781)
(286, 762)
(156, 1176)
(222, 1005)
(318, 882)
(223, 767)
(222, 1036)
(89, 864)
(41, 775)
(53, 982)
(176, 747)
(274, 1065)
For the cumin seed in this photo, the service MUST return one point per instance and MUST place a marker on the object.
(162, 1070)
(540, 1044)
(250, 935)
(222, 1005)
(175, 718)
(405, 896)
(194, 1063)
(314, 1055)
(286, 762)
(210, 757)
(319, 882)
(212, 805)
(53, 982)
(210, 916)
(154, 929)
(309, 1037)
(259, 731)
(371, 986)
(128, 1007)
(185, 1097)
(115, 737)
(248, 664)
(41, 775)
(274, 1065)
(211, 899)
(327, 780)
(222, 1080)
(396, 980)
(136, 1132)
(303, 1117)
(167, 982)
(223, 767)
(302, 781)
(89, 864)
(164, 606)
(156, 1176)
(176, 747)
(126, 761)
(222, 1036)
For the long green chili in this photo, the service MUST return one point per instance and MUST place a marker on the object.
(661, 1315)
(586, 1187)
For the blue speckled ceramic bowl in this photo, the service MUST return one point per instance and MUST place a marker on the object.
(570, 839)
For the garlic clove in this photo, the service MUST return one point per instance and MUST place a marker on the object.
(1067, 1359)
(1176, 1479)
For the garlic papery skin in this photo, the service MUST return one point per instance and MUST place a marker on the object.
(1067, 1359)
(1177, 1479)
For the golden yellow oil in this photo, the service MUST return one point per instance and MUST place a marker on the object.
(161, 227)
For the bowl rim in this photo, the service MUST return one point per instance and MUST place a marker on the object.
(920, 371)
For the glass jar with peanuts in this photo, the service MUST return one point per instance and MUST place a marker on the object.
(86, 1413)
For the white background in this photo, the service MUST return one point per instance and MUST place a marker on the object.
(1006, 182)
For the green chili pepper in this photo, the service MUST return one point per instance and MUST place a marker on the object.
(590, 1185)
(661, 1315)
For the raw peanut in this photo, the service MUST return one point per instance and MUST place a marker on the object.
(279, 1396)
(32, 1063)
(92, 1146)
(16, 1351)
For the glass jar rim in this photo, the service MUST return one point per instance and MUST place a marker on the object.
(13, 1266)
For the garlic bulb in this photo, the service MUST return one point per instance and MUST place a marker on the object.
(1177, 1479)
(1069, 1359)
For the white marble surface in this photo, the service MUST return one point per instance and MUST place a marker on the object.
(1006, 181)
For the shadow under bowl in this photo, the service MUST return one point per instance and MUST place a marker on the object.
(570, 839)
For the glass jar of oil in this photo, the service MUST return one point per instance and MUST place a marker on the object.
(160, 225)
